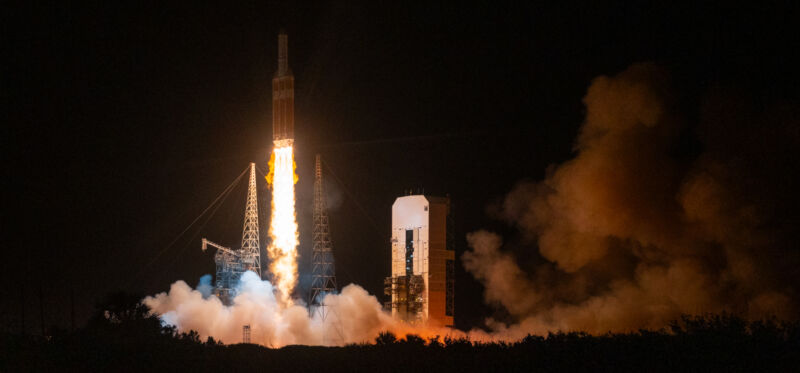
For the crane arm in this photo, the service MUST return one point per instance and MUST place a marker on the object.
(207, 243)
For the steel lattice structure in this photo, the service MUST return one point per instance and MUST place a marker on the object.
(323, 271)
(251, 250)
(231, 264)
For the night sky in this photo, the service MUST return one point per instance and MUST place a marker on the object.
(123, 123)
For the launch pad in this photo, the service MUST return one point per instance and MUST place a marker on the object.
(231, 264)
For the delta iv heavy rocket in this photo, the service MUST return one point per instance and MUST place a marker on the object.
(283, 97)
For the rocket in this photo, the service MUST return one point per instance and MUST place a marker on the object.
(283, 97)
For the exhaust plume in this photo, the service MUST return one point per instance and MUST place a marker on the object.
(631, 233)
(283, 225)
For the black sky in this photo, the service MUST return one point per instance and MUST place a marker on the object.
(124, 122)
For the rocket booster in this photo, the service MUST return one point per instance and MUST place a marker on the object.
(283, 97)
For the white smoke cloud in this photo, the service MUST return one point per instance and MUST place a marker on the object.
(355, 316)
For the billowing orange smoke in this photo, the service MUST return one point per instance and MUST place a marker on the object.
(283, 225)
(271, 174)
(655, 216)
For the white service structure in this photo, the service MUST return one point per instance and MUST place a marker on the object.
(422, 254)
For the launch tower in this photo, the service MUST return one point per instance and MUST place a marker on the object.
(251, 250)
(323, 277)
(231, 264)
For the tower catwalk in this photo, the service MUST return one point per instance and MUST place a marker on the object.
(323, 271)
(251, 250)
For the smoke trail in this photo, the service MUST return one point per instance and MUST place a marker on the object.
(632, 232)
(283, 224)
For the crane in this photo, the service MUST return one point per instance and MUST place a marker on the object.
(229, 270)
(227, 250)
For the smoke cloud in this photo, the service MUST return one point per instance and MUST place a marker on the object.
(355, 316)
(655, 216)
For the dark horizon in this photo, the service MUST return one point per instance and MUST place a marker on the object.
(127, 121)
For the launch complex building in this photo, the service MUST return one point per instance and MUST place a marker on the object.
(421, 285)
(423, 261)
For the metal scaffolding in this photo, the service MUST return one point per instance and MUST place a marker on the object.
(231, 264)
(246, 333)
(407, 294)
(323, 274)
(251, 251)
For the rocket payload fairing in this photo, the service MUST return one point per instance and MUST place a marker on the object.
(283, 97)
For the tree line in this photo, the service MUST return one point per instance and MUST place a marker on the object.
(124, 336)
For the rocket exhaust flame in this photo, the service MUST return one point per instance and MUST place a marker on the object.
(283, 225)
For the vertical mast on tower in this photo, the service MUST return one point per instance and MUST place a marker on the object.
(251, 251)
(323, 271)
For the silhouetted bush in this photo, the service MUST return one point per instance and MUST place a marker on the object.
(124, 336)
(385, 338)
(413, 340)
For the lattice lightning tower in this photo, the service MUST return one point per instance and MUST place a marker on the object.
(251, 251)
(323, 270)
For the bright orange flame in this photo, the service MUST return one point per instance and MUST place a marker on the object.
(271, 173)
(283, 225)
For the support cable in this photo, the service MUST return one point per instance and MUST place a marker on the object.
(202, 226)
(346, 191)
(162, 251)
(363, 211)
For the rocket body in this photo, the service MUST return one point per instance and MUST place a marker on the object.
(283, 97)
